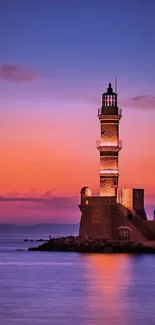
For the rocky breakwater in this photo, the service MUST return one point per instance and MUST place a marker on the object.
(94, 245)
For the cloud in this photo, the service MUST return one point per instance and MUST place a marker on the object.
(48, 201)
(34, 193)
(144, 101)
(15, 73)
(49, 192)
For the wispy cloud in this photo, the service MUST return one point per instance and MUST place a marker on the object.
(49, 193)
(15, 73)
(47, 200)
(143, 101)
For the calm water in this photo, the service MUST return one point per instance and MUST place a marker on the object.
(69, 288)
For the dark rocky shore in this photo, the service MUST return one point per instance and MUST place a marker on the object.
(90, 245)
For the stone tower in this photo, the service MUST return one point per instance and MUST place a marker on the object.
(102, 216)
(109, 145)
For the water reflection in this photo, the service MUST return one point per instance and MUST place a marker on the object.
(109, 279)
(44, 288)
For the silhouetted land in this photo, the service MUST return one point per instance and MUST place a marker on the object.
(89, 245)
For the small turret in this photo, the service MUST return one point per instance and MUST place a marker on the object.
(85, 192)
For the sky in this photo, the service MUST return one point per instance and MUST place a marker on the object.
(56, 59)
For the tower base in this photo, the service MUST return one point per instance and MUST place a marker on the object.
(105, 218)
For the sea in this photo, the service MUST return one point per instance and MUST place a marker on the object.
(56, 288)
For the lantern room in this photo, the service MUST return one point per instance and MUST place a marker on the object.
(109, 98)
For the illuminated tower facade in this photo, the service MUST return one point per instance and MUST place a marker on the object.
(109, 145)
(102, 216)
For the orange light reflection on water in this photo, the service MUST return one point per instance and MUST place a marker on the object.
(108, 278)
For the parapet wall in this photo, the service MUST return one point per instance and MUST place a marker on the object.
(98, 200)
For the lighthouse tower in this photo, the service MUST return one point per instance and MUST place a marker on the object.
(109, 145)
(102, 216)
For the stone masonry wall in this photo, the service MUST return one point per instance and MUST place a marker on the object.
(104, 221)
(95, 222)
(110, 133)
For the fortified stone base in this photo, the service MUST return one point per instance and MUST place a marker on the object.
(104, 217)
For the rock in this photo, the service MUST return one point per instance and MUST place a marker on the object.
(38, 240)
(92, 245)
(108, 249)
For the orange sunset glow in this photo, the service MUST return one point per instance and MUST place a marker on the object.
(59, 156)
(51, 85)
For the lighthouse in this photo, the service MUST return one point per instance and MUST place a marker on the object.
(109, 144)
(102, 215)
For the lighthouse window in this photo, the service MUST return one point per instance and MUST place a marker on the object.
(108, 153)
(108, 100)
(114, 102)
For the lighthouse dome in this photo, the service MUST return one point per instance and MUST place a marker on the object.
(85, 191)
